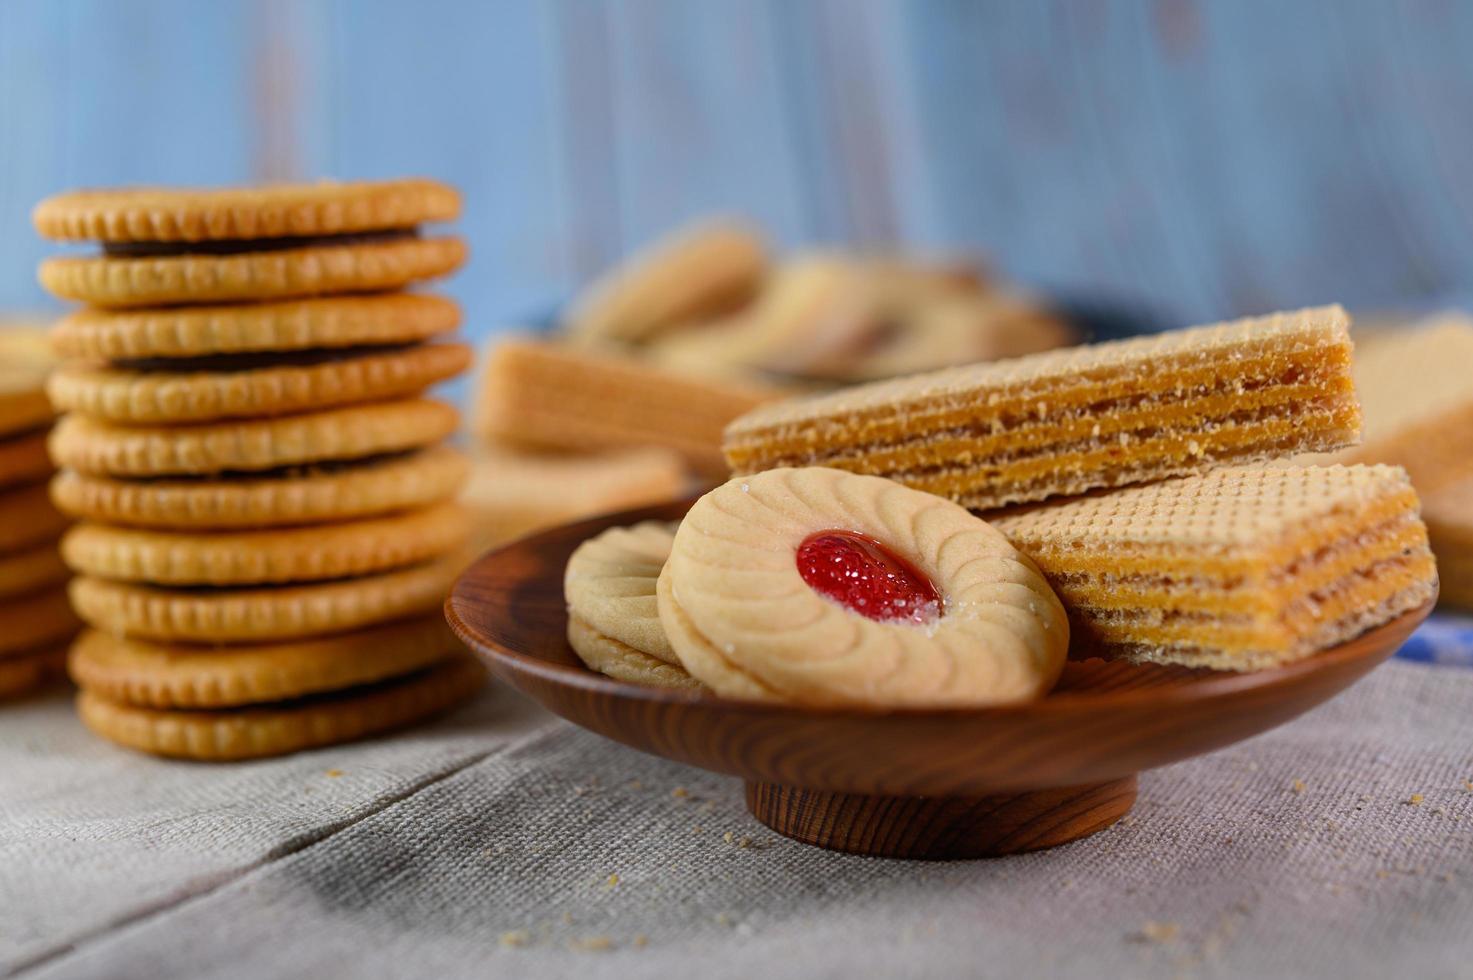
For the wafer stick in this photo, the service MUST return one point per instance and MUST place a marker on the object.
(1068, 421)
(1238, 569)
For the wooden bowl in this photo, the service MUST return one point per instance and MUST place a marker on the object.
(943, 783)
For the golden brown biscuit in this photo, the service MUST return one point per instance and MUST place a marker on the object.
(325, 322)
(25, 360)
(253, 387)
(624, 663)
(1072, 420)
(255, 732)
(1238, 569)
(274, 275)
(24, 673)
(159, 675)
(1449, 514)
(353, 432)
(307, 495)
(28, 518)
(30, 569)
(258, 615)
(694, 275)
(23, 459)
(41, 619)
(820, 587)
(266, 557)
(157, 214)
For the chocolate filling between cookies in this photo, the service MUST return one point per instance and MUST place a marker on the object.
(228, 363)
(240, 246)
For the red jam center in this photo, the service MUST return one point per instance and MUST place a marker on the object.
(863, 575)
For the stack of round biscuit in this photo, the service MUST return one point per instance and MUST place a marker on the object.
(267, 517)
(35, 620)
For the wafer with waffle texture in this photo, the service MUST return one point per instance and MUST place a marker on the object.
(1240, 569)
(1068, 421)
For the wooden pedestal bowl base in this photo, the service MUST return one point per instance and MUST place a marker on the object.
(944, 783)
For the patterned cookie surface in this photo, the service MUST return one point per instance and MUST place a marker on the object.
(609, 585)
(308, 324)
(181, 676)
(311, 496)
(155, 214)
(149, 397)
(743, 619)
(267, 557)
(288, 274)
(249, 733)
(353, 432)
(622, 662)
(263, 614)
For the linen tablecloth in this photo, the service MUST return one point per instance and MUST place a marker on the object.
(502, 841)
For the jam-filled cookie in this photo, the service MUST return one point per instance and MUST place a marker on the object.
(820, 587)
(613, 624)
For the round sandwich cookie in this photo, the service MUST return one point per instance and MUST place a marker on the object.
(613, 622)
(352, 432)
(252, 386)
(306, 495)
(263, 614)
(177, 675)
(309, 209)
(27, 672)
(265, 557)
(25, 360)
(363, 263)
(321, 323)
(820, 587)
(23, 459)
(28, 518)
(290, 726)
(41, 619)
(30, 569)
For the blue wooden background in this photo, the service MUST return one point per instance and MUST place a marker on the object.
(1197, 158)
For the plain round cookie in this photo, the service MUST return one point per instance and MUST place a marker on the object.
(609, 585)
(159, 675)
(351, 432)
(266, 557)
(621, 662)
(162, 396)
(742, 619)
(250, 733)
(157, 214)
(312, 270)
(258, 615)
(313, 496)
(324, 322)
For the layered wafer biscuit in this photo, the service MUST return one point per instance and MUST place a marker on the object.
(541, 394)
(1416, 392)
(697, 273)
(1068, 421)
(514, 492)
(1449, 514)
(1241, 568)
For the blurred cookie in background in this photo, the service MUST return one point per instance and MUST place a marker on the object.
(35, 621)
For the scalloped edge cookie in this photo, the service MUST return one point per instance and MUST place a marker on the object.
(742, 619)
(151, 397)
(609, 585)
(158, 675)
(256, 732)
(291, 273)
(156, 214)
(351, 432)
